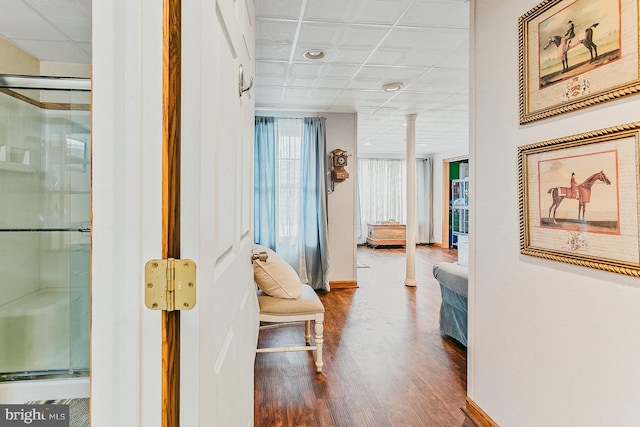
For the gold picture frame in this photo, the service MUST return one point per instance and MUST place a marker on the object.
(579, 201)
(576, 53)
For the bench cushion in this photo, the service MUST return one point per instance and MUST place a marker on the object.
(308, 303)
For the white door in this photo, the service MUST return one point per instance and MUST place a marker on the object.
(218, 337)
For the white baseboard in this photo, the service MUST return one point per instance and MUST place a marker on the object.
(29, 390)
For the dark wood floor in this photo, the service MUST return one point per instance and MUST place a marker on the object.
(385, 362)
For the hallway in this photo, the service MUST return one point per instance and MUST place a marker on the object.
(386, 363)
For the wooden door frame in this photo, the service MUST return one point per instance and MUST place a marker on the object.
(171, 97)
(445, 203)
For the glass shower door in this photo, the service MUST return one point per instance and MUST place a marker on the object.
(45, 240)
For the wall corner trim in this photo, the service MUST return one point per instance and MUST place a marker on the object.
(477, 416)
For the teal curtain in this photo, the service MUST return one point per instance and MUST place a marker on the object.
(314, 202)
(264, 188)
(291, 195)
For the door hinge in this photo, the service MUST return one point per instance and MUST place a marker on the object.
(170, 284)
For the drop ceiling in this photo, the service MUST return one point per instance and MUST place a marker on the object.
(50, 30)
(424, 44)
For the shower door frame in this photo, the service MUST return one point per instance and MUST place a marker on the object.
(9, 83)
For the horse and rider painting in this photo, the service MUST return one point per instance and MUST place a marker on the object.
(579, 38)
(589, 202)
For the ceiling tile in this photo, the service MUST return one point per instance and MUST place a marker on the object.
(365, 85)
(321, 70)
(315, 95)
(16, 9)
(369, 12)
(379, 11)
(270, 68)
(351, 55)
(266, 95)
(278, 8)
(425, 38)
(86, 47)
(408, 58)
(331, 83)
(330, 10)
(341, 71)
(76, 29)
(458, 59)
(386, 74)
(262, 80)
(55, 51)
(439, 14)
(419, 99)
(358, 36)
(277, 32)
(454, 78)
(321, 34)
(459, 102)
(62, 9)
(29, 27)
(273, 51)
(357, 97)
(303, 82)
(341, 35)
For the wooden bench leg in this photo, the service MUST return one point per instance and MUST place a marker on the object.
(319, 330)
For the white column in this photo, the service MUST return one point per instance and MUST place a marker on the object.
(410, 280)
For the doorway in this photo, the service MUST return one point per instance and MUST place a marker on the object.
(455, 212)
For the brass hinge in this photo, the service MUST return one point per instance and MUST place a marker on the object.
(170, 284)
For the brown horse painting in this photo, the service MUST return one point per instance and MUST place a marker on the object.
(583, 195)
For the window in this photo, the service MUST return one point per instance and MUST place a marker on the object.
(290, 193)
(289, 184)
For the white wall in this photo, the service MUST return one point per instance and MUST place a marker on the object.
(14, 60)
(341, 203)
(48, 68)
(551, 344)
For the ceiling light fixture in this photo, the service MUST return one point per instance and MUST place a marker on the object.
(392, 87)
(314, 54)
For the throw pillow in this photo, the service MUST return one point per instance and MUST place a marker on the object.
(275, 277)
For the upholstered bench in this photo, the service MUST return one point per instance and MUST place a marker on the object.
(285, 301)
(453, 279)
(280, 312)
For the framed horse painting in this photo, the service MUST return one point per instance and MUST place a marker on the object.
(577, 53)
(579, 201)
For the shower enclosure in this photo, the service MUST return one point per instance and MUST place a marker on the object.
(45, 240)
